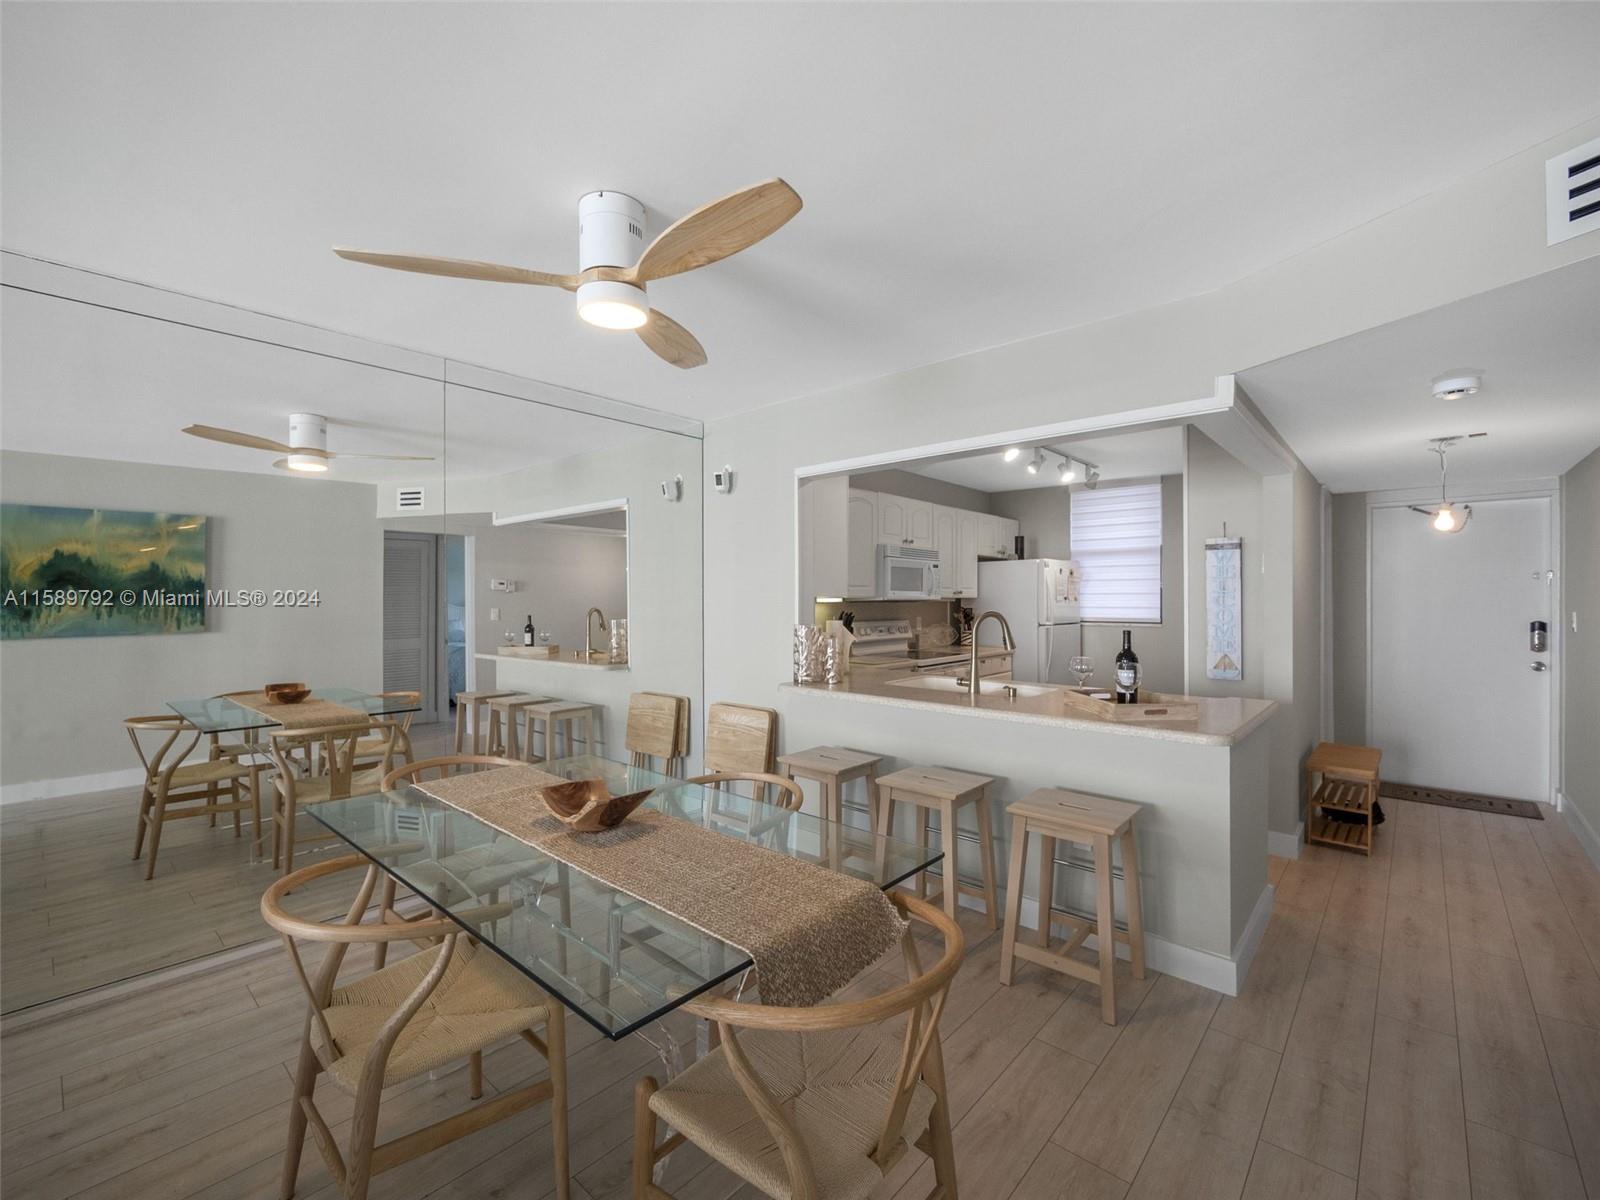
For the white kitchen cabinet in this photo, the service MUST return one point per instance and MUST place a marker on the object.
(903, 522)
(966, 564)
(1008, 536)
(955, 536)
(861, 539)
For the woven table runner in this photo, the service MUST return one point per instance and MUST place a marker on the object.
(310, 713)
(809, 930)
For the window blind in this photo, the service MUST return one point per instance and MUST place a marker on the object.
(1116, 539)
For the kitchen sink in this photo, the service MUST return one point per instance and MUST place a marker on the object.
(987, 687)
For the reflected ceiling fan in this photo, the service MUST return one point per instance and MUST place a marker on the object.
(307, 448)
(612, 271)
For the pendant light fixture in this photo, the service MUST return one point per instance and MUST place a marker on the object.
(1446, 517)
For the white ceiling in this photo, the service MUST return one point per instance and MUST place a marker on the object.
(1120, 456)
(973, 174)
(1360, 411)
(99, 383)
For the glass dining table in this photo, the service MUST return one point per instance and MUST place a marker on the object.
(218, 714)
(616, 961)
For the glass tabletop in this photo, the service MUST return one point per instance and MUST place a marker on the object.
(218, 714)
(618, 962)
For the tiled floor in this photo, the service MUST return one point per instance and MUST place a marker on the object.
(1422, 1024)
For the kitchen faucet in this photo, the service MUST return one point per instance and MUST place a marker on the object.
(1006, 640)
(588, 630)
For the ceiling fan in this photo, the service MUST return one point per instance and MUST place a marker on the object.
(612, 271)
(307, 448)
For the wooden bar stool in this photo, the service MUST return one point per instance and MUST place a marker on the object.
(831, 768)
(506, 707)
(561, 716)
(1091, 821)
(478, 703)
(1348, 783)
(941, 790)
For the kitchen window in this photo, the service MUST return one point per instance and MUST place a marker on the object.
(1116, 539)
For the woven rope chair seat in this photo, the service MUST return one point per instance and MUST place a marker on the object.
(834, 1086)
(480, 1001)
(315, 790)
(201, 773)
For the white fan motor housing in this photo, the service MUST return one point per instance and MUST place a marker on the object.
(311, 431)
(610, 230)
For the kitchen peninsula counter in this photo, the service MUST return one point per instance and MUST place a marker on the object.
(1203, 784)
(1223, 720)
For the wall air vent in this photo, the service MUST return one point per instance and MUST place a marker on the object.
(408, 498)
(1572, 193)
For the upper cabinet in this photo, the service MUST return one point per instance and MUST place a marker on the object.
(862, 526)
(903, 522)
(997, 537)
(955, 536)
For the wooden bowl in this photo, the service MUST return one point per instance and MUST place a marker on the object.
(286, 693)
(587, 805)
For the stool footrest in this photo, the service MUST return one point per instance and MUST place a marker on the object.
(1058, 961)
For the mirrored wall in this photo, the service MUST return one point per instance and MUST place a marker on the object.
(201, 502)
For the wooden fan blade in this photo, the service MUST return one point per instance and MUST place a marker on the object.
(671, 341)
(459, 268)
(385, 457)
(234, 438)
(718, 229)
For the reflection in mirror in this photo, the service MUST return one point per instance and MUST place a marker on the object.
(563, 526)
(149, 571)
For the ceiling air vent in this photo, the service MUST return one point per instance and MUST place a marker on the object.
(1572, 193)
(408, 497)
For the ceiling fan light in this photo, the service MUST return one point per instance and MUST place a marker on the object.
(308, 463)
(608, 304)
(1445, 519)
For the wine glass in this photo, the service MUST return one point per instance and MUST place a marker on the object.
(1082, 666)
(510, 635)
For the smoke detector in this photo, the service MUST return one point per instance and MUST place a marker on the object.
(1454, 385)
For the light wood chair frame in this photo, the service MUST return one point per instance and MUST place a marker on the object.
(399, 749)
(923, 997)
(337, 744)
(366, 1157)
(160, 801)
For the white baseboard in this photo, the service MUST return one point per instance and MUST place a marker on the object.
(71, 785)
(1588, 837)
(1214, 971)
(1286, 845)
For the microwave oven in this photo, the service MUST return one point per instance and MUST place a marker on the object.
(907, 573)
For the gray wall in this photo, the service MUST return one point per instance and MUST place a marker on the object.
(1349, 563)
(1580, 665)
(64, 699)
(919, 487)
(1042, 514)
(1222, 491)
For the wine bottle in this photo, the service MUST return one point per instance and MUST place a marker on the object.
(1127, 671)
(527, 633)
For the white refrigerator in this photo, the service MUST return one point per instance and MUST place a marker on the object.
(1039, 599)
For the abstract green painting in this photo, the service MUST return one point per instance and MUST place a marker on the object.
(95, 572)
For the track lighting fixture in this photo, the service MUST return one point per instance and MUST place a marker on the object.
(1036, 462)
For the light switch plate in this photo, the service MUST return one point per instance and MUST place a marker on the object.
(494, 614)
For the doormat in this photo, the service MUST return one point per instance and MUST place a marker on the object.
(1468, 800)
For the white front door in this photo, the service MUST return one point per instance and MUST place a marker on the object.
(1457, 700)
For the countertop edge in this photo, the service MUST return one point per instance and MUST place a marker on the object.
(552, 662)
(1080, 724)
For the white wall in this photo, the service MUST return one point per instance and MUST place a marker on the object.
(1042, 517)
(1580, 667)
(1349, 565)
(921, 487)
(63, 699)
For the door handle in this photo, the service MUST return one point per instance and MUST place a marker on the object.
(1538, 666)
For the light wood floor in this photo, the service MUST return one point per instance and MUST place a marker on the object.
(76, 911)
(1422, 1024)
